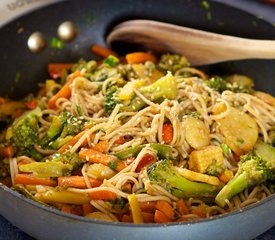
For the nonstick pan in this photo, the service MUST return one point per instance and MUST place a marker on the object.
(94, 19)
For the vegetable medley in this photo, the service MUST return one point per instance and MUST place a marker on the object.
(140, 139)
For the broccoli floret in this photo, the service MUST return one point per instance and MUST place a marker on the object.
(254, 168)
(165, 87)
(25, 133)
(111, 99)
(217, 83)
(166, 175)
(172, 63)
(214, 169)
(69, 158)
(62, 129)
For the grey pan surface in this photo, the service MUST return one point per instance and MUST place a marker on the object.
(44, 223)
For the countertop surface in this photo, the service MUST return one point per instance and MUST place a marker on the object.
(266, 11)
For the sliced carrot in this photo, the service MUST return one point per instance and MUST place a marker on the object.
(28, 179)
(166, 208)
(200, 211)
(64, 92)
(101, 146)
(140, 57)
(145, 161)
(66, 208)
(55, 69)
(160, 217)
(148, 217)
(102, 51)
(102, 195)
(225, 176)
(73, 141)
(147, 206)
(77, 182)
(7, 151)
(127, 218)
(167, 133)
(87, 208)
(182, 207)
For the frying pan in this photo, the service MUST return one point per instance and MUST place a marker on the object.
(43, 222)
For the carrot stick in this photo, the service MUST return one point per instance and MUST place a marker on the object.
(147, 217)
(167, 133)
(87, 208)
(102, 51)
(73, 141)
(166, 208)
(147, 206)
(28, 179)
(160, 217)
(101, 146)
(64, 92)
(140, 57)
(225, 176)
(145, 161)
(103, 195)
(182, 207)
(77, 182)
(7, 151)
(94, 156)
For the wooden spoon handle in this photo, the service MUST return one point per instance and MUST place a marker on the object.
(198, 46)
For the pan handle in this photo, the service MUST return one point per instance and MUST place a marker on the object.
(11, 9)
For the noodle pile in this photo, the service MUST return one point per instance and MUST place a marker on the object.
(194, 98)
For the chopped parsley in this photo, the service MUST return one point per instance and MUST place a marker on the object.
(240, 140)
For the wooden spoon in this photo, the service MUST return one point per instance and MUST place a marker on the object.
(200, 47)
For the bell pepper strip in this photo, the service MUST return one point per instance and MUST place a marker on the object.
(63, 196)
(163, 151)
(135, 209)
(140, 57)
(102, 195)
(102, 51)
(31, 104)
(27, 179)
(146, 160)
(167, 133)
(55, 69)
(64, 92)
(166, 208)
(77, 182)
